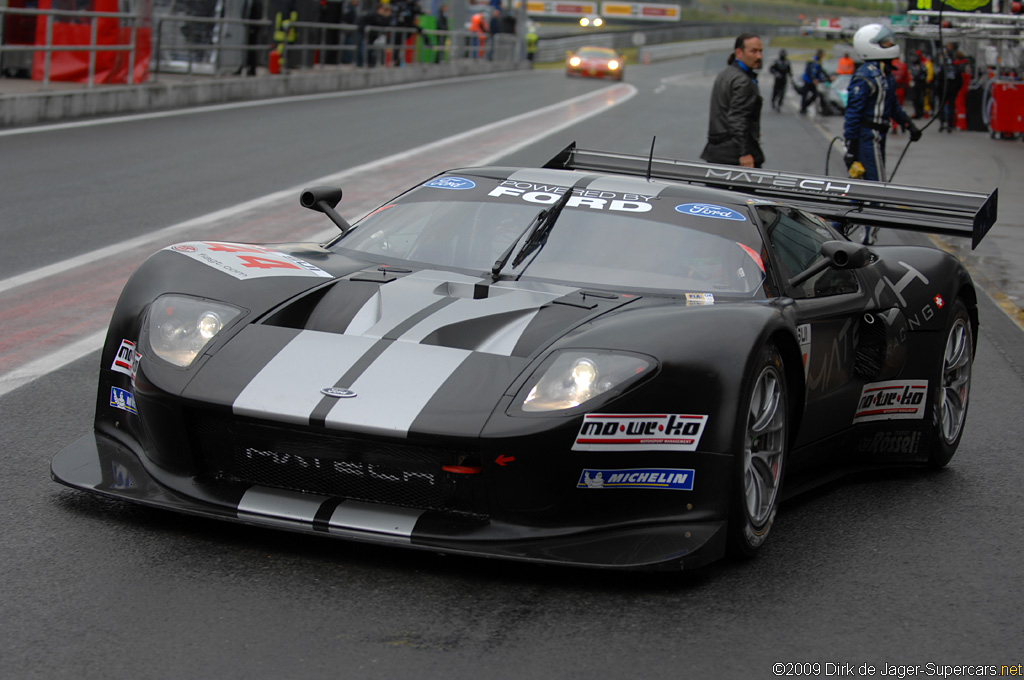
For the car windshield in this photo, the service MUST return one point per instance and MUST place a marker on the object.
(596, 53)
(602, 238)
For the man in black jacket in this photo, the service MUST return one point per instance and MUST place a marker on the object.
(734, 123)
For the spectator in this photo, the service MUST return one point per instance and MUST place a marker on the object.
(734, 121)
(368, 31)
(493, 29)
(918, 84)
(813, 74)
(783, 72)
(901, 76)
(952, 71)
(440, 40)
(350, 16)
(845, 67)
(478, 29)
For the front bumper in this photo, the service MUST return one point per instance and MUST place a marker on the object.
(99, 464)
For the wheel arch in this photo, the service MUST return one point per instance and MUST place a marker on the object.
(970, 297)
(792, 362)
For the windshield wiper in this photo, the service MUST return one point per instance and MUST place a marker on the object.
(539, 235)
(539, 229)
(500, 263)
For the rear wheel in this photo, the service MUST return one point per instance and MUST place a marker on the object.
(954, 386)
(764, 455)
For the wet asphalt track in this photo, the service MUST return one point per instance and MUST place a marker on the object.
(909, 568)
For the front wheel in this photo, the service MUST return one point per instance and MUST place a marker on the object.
(954, 386)
(764, 454)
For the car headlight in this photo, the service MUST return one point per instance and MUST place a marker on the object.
(180, 327)
(612, 65)
(575, 61)
(571, 378)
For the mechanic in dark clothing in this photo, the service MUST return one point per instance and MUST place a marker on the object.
(813, 74)
(872, 104)
(783, 72)
(734, 123)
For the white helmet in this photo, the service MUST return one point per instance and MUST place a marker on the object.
(867, 43)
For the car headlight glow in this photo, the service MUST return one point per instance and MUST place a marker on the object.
(613, 64)
(180, 326)
(575, 61)
(573, 377)
(584, 21)
(598, 22)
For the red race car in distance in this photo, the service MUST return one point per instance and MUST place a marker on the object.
(596, 62)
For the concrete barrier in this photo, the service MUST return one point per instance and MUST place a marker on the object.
(29, 108)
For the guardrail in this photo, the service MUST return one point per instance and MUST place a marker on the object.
(48, 48)
(316, 45)
(238, 45)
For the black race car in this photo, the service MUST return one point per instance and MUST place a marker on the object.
(612, 361)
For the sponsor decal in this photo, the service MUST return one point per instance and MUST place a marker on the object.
(716, 212)
(891, 442)
(338, 393)
(892, 400)
(781, 181)
(754, 255)
(803, 336)
(700, 299)
(336, 470)
(639, 478)
(547, 194)
(123, 399)
(628, 432)
(456, 183)
(125, 359)
(939, 301)
(246, 262)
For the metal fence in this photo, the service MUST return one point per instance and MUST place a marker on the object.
(48, 48)
(230, 45)
(312, 45)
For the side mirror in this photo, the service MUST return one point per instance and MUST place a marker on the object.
(837, 255)
(324, 199)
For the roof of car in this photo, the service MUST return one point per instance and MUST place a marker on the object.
(614, 182)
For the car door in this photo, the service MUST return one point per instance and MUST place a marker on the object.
(831, 308)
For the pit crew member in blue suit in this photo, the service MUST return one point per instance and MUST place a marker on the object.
(872, 105)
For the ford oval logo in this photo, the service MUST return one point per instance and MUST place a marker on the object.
(338, 393)
(458, 183)
(716, 212)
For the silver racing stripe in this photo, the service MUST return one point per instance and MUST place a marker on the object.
(280, 507)
(557, 178)
(292, 509)
(503, 301)
(379, 519)
(553, 178)
(394, 389)
(625, 185)
(288, 387)
(399, 300)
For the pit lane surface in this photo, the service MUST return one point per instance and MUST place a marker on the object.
(902, 568)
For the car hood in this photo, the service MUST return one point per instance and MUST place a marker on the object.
(396, 354)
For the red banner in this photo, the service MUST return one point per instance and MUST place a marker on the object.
(111, 67)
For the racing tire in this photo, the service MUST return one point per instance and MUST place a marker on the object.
(761, 464)
(954, 388)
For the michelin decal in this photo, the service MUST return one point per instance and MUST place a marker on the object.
(639, 478)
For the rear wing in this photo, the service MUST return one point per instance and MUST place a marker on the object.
(847, 201)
